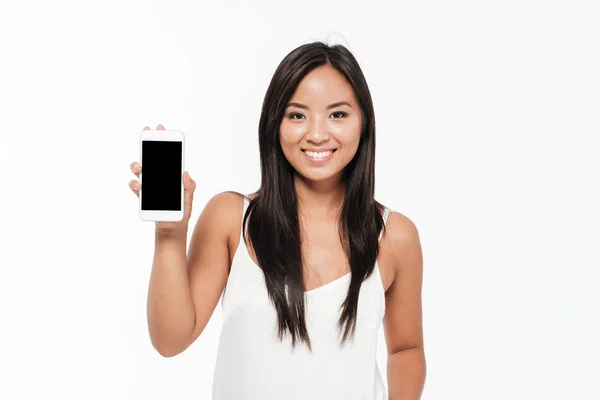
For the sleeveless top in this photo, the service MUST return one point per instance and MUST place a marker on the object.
(252, 363)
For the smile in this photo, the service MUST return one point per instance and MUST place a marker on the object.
(318, 157)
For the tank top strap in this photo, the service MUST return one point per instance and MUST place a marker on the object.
(239, 268)
(246, 204)
(386, 212)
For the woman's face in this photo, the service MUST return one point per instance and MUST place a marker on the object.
(322, 115)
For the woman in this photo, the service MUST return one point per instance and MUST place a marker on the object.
(319, 264)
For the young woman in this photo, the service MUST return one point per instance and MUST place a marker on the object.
(319, 263)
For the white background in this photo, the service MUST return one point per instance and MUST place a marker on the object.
(487, 138)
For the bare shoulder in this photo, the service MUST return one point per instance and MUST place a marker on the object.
(401, 229)
(224, 204)
(401, 246)
(228, 212)
(225, 209)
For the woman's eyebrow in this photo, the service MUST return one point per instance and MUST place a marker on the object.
(339, 103)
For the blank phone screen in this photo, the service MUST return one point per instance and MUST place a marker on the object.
(161, 175)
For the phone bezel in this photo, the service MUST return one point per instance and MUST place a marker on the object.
(161, 135)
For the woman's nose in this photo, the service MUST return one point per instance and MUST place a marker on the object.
(318, 131)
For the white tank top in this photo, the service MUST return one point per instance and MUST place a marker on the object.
(252, 363)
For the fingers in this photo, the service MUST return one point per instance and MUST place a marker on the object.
(135, 168)
(189, 184)
(135, 187)
(159, 127)
(188, 195)
(134, 184)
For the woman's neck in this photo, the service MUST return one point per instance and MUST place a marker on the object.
(321, 199)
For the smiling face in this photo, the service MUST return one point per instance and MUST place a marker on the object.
(322, 115)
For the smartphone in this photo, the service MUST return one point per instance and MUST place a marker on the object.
(161, 177)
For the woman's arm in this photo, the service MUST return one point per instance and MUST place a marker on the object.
(403, 326)
(185, 289)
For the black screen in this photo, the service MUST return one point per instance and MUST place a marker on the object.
(161, 175)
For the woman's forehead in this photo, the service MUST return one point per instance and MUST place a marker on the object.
(322, 87)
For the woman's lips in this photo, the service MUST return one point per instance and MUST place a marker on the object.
(321, 160)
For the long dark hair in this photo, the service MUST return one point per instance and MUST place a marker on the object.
(273, 224)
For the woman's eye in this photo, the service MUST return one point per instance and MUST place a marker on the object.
(293, 114)
(343, 114)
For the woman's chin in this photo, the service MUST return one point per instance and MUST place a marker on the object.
(321, 175)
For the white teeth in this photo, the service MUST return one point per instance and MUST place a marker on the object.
(318, 155)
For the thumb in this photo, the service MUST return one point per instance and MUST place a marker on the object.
(189, 185)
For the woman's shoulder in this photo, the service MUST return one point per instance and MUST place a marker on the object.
(401, 226)
(229, 206)
(226, 207)
(400, 238)
(398, 223)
